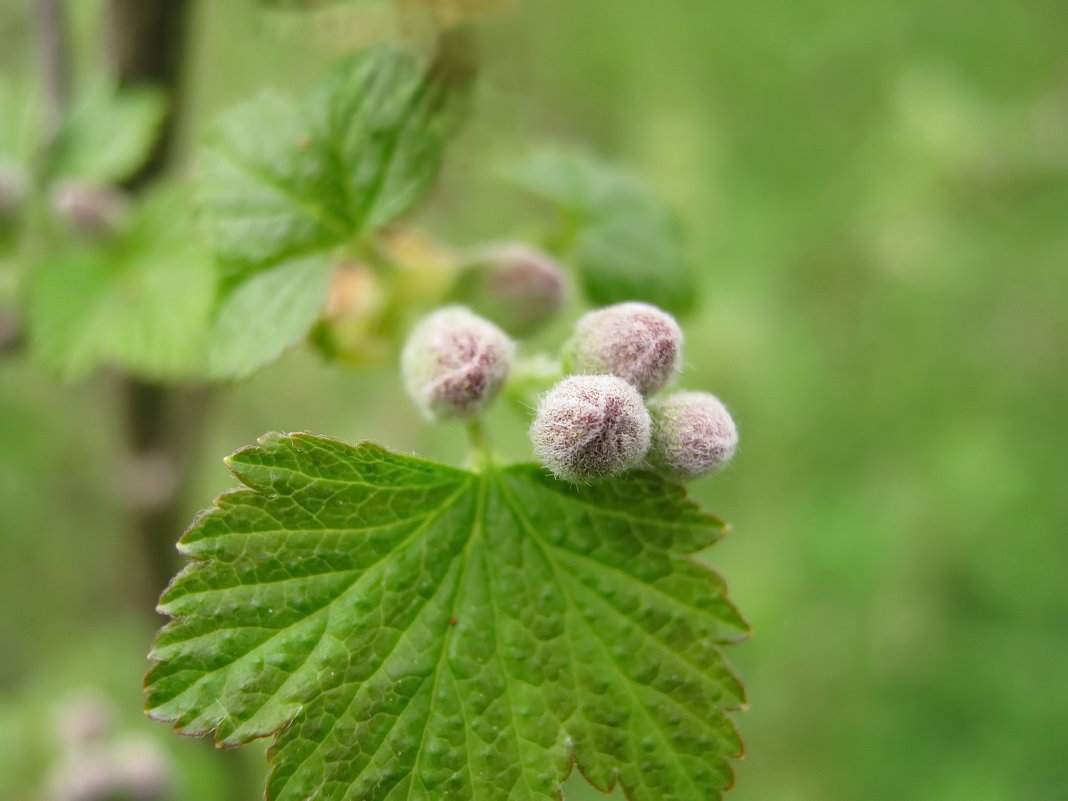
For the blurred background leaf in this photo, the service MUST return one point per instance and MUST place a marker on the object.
(109, 133)
(140, 302)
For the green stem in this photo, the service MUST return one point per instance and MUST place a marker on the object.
(480, 454)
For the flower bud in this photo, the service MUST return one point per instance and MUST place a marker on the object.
(589, 427)
(455, 363)
(90, 210)
(141, 768)
(635, 341)
(693, 434)
(517, 287)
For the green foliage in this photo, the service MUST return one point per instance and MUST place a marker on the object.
(140, 301)
(108, 134)
(626, 242)
(266, 313)
(412, 630)
(285, 180)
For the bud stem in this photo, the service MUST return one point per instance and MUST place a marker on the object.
(480, 455)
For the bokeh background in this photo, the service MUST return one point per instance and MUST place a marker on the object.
(876, 198)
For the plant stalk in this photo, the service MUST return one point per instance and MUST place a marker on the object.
(50, 20)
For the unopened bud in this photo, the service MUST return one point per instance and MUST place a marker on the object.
(90, 210)
(517, 287)
(590, 426)
(142, 769)
(455, 363)
(693, 434)
(85, 716)
(635, 341)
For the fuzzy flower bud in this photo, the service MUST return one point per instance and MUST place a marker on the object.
(635, 341)
(455, 363)
(589, 427)
(90, 210)
(515, 286)
(693, 434)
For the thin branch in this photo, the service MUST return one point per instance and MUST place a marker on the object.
(51, 21)
(146, 44)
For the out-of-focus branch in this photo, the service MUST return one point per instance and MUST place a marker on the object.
(146, 42)
(51, 22)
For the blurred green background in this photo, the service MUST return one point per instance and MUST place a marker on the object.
(876, 197)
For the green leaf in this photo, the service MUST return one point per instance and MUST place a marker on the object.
(287, 182)
(409, 630)
(282, 178)
(109, 134)
(627, 243)
(141, 302)
(266, 314)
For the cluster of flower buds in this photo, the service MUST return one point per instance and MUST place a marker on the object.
(596, 423)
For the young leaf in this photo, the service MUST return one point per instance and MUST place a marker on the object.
(141, 302)
(627, 243)
(409, 630)
(281, 178)
(287, 182)
(109, 134)
(267, 313)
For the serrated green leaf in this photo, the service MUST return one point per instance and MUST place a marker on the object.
(109, 134)
(627, 243)
(287, 183)
(141, 302)
(281, 178)
(412, 631)
(265, 314)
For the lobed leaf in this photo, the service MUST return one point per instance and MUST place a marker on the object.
(140, 302)
(407, 630)
(282, 178)
(292, 181)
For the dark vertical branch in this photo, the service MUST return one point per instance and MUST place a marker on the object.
(146, 44)
(163, 427)
(50, 20)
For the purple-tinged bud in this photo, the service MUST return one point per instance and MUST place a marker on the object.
(84, 716)
(635, 341)
(455, 363)
(589, 427)
(693, 434)
(90, 210)
(141, 769)
(516, 286)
